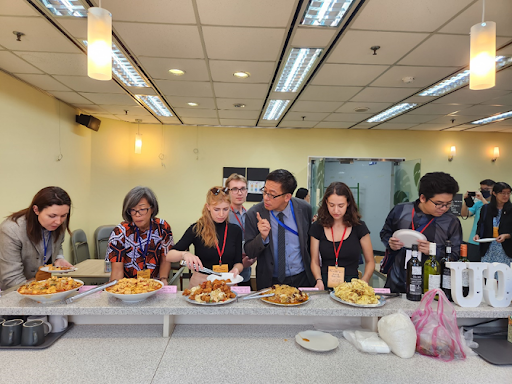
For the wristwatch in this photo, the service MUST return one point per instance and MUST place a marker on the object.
(163, 278)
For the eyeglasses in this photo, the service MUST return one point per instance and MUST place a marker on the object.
(265, 193)
(441, 205)
(504, 193)
(140, 212)
(238, 190)
(216, 191)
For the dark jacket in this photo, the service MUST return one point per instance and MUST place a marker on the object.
(484, 227)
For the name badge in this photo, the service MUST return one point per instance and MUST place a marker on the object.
(145, 273)
(335, 276)
(495, 232)
(221, 268)
(168, 289)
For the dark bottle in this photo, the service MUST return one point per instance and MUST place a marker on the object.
(465, 273)
(446, 273)
(414, 287)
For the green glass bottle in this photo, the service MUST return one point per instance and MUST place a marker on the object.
(431, 270)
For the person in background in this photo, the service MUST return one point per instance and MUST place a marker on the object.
(237, 185)
(481, 197)
(276, 233)
(340, 236)
(217, 243)
(137, 247)
(33, 237)
(303, 193)
(429, 214)
(496, 221)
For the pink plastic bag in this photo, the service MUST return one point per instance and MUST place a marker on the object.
(437, 334)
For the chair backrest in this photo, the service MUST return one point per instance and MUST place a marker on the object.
(79, 246)
(101, 236)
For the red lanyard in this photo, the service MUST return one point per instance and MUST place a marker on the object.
(223, 246)
(412, 222)
(237, 219)
(337, 251)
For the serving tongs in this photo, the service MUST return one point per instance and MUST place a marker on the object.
(258, 294)
(183, 263)
(97, 289)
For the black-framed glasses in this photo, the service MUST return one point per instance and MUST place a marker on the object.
(265, 193)
(238, 190)
(216, 191)
(138, 212)
(441, 205)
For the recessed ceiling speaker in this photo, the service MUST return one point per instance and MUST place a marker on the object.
(89, 121)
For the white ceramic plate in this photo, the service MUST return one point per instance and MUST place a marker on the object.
(136, 297)
(52, 297)
(225, 276)
(486, 240)
(318, 341)
(45, 269)
(409, 237)
(207, 304)
(285, 305)
(380, 304)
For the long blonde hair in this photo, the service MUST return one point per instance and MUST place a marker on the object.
(205, 226)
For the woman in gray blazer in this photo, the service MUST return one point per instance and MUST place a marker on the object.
(33, 237)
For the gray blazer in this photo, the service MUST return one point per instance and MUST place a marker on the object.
(20, 258)
(254, 247)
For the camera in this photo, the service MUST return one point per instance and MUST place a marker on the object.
(472, 194)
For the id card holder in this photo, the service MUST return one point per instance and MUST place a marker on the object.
(145, 274)
(335, 276)
(495, 232)
(223, 268)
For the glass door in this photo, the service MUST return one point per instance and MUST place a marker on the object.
(407, 176)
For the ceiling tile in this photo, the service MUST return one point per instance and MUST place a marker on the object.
(86, 84)
(505, 123)
(486, 110)
(392, 125)
(456, 128)
(17, 8)
(45, 82)
(408, 15)
(225, 43)
(446, 121)
(250, 104)
(127, 110)
(90, 108)
(142, 91)
(312, 37)
(109, 98)
(440, 50)
(504, 79)
(57, 63)
(76, 26)
(347, 74)
(152, 11)
(501, 100)
(146, 119)
(383, 94)
(185, 88)
(437, 109)
(169, 120)
(423, 76)
(363, 125)
(467, 96)
(315, 106)
(239, 114)
(372, 107)
(153, 39)
(102, 116)
(297, 124)
(326, 93)
(195, 70)
(354, 117)
(71, 97)
(354, 47)
(427, 127)
(283, 95)
(257, 91)
(238, 122)
(261, 72)
(181, 101)
(247, 13)
(407, 118)
(333, 124)
(308, 116)
(200, 121)
(192, 112)
(12, 63)
(487, 128)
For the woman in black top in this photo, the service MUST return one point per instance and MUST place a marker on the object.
(216, 241)
(339, 218)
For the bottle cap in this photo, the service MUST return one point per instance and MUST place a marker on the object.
(432, 249)
(415, 247)
(463, 250)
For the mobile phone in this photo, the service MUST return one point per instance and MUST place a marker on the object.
(471, 193)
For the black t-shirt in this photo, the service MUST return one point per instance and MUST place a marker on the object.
(209, 255)
(350, 251)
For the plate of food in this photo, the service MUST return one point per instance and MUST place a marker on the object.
(486, 240)
(215, 292)
(317, 341)
(357, 293)
(229, 278)
(133, 290)
(50, 290)
(54, 269)
(409, 237)
(286, 296)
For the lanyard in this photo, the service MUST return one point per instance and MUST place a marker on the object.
(144, 251)
(46, 242)
(497, 219)
(223, 246)
(425, 227)
(337, 251)
(237, 219)
(283, 224)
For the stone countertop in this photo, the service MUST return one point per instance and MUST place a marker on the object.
(175, 304)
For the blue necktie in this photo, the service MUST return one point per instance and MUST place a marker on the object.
(281, 250)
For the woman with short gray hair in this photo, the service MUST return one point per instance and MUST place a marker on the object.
(137, 247)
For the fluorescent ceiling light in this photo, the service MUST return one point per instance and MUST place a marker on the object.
(275, 109)
(391, 112)
(461, 79)
(327, 13)
(65, 7)
(298, 64)
(493, 119)
(155, 104)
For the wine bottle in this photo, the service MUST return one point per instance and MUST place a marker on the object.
(446, 273)
(465, 273)
(414, 276)
(431, 271)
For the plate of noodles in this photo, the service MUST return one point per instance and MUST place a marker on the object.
(50, 290)
(133, 290)
(357, 293)
(54, 269)
(285, 296)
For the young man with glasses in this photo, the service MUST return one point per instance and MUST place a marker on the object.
(276, 234)
(237, 185)
(430, 215)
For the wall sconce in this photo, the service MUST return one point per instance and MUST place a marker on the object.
(138, 138)
(482, 63)
(495, 154)
(453, 150)
(99, 43)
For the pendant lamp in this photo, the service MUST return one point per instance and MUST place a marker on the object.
(99, 43)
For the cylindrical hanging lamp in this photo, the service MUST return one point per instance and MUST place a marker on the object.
(99, 44)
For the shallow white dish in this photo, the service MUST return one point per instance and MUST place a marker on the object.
(486, 240)
(52, 297)
(225, 276)
(409, 237)
(205, 303)
(318, 341)
(380, 303)
(45, 269)
(136, 297)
